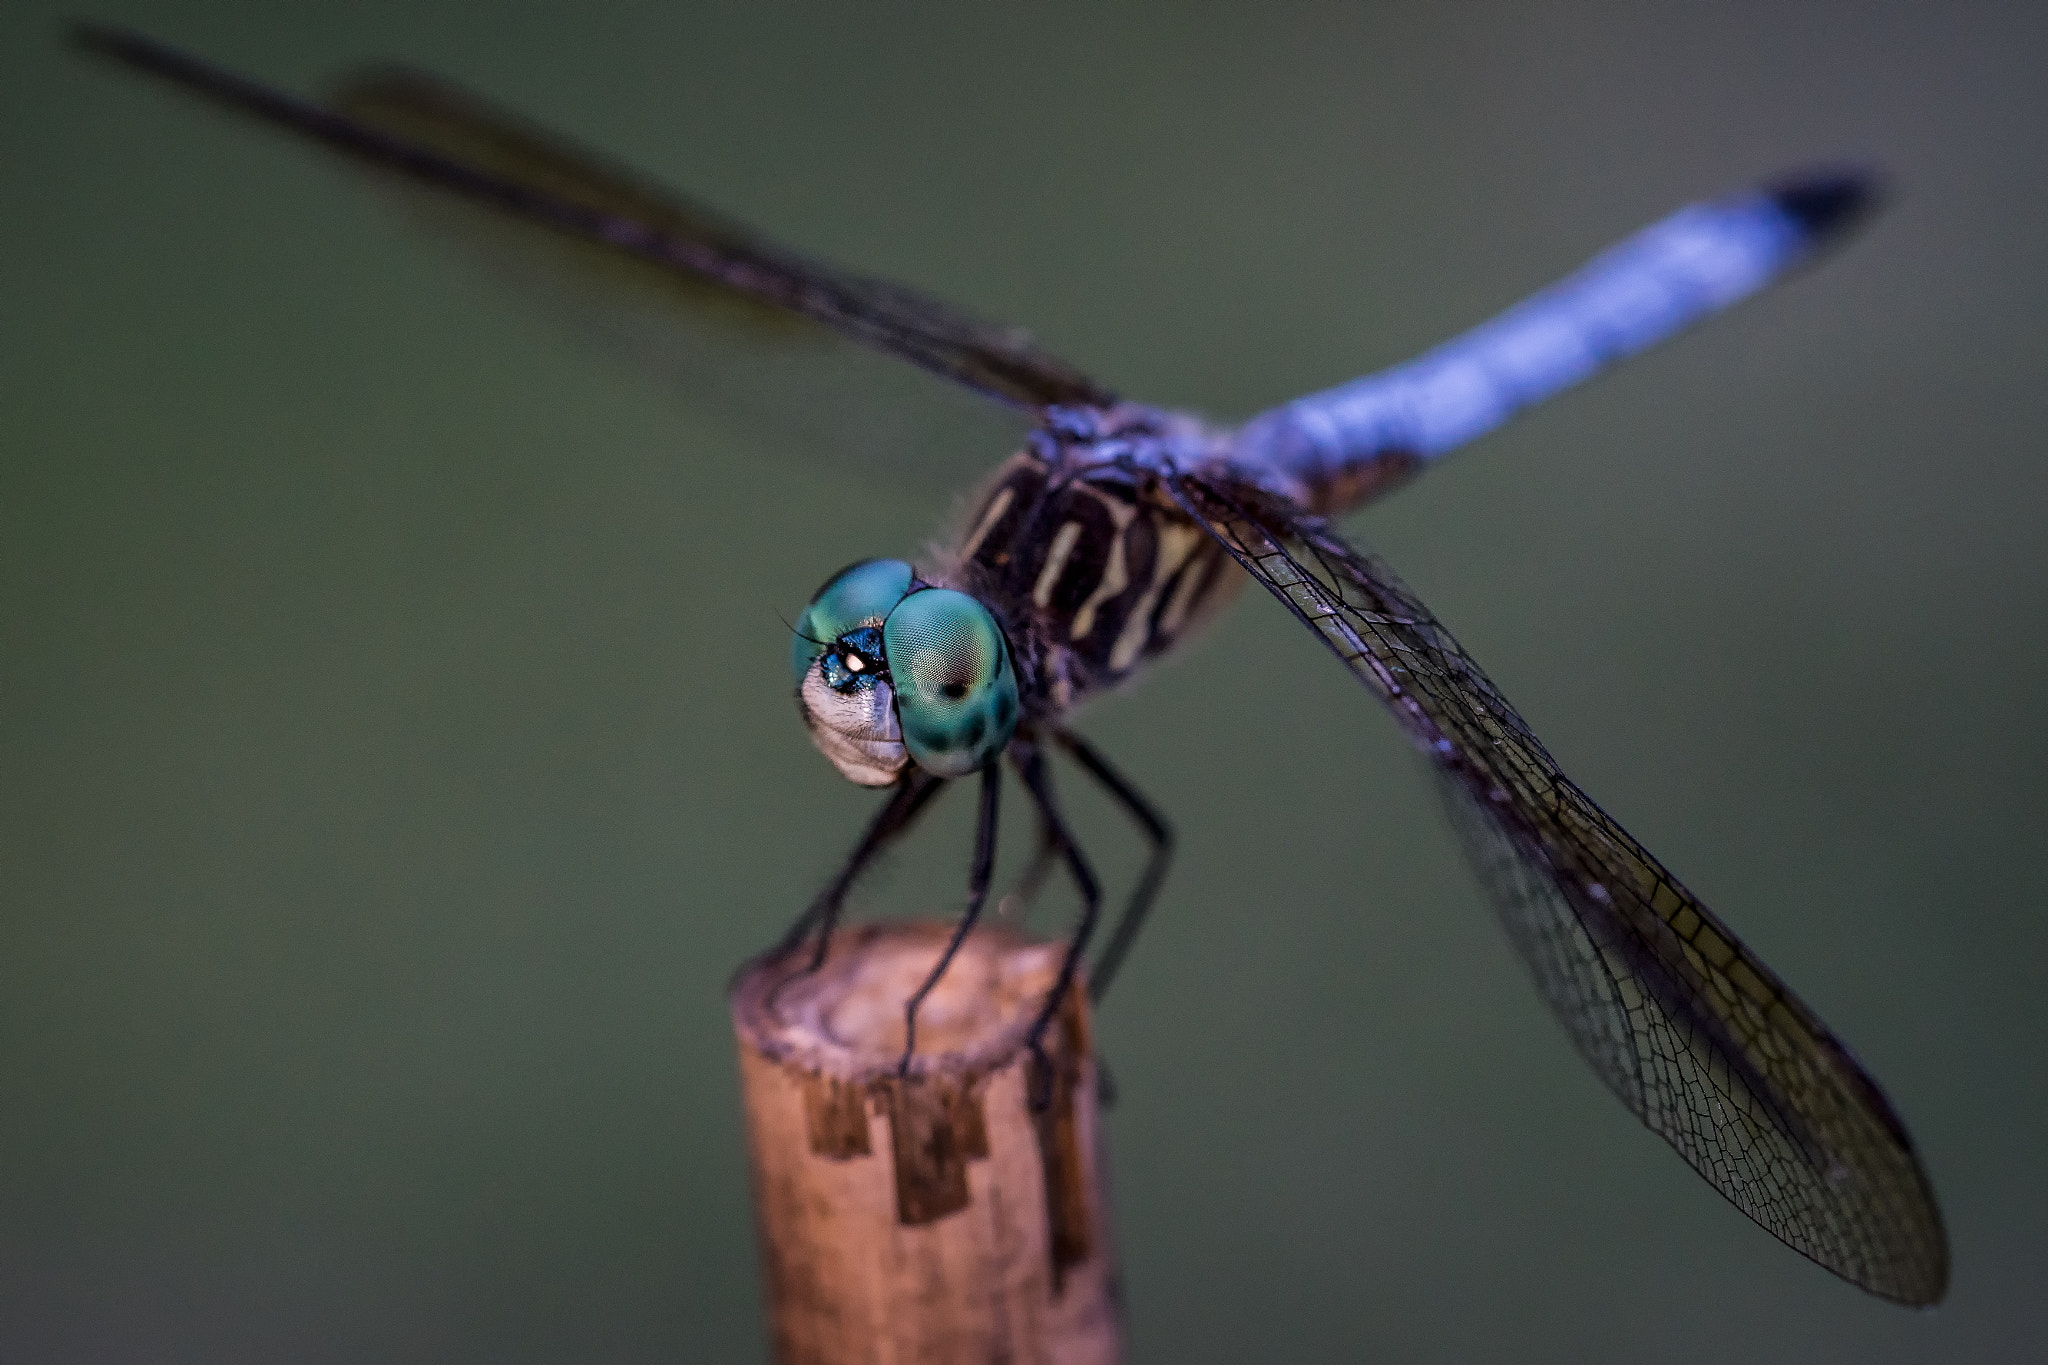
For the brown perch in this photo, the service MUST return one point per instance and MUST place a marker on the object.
(935, 1219)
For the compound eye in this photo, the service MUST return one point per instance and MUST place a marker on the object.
(859, 596)
(956, 687)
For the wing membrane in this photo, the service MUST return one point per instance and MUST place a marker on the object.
(443, 140)
(779, 373)
(1701, 1040)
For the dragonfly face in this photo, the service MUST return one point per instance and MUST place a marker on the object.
(892, 671)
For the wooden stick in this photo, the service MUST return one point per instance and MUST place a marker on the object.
(934, 1219)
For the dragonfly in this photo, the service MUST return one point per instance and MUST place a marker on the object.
(1119, 529)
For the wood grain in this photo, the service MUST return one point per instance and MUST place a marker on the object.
(930, 1218)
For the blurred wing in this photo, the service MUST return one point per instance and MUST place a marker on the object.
(441, 140)
(1701, 1040)
(781, 374)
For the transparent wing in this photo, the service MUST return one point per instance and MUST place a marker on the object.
(1700, 1039)
(779, 373)
(441, 140)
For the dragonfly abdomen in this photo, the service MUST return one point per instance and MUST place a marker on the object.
(1340, 448)
(1103, 576)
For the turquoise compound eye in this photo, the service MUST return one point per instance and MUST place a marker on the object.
(859, 595)
(956, 688)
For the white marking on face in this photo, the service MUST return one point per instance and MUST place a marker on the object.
(857, 730)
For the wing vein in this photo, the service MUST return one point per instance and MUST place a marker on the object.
(1691, 1030)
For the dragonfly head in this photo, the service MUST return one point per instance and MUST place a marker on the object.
(891, 671)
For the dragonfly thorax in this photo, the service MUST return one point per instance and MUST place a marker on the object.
(891, 670)
(1095, 569)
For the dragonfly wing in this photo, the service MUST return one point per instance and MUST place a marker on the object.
(780, 374)
(447, 142)
(1701, 1040)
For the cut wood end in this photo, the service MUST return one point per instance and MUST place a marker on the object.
(938, 1215)
(845, 1020)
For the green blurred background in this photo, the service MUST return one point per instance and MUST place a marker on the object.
(395, 745)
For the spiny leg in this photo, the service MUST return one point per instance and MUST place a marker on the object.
(977, 896)
(1157, 832)
(1031, 767)
(912, 794)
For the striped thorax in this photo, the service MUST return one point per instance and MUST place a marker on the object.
(1093, 565)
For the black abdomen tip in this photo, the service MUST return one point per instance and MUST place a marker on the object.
(1826, 204)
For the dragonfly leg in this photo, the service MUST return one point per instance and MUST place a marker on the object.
(1031, 767)
(1157, 833)
(977, 896)
(1016, 902)
(912, 794)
